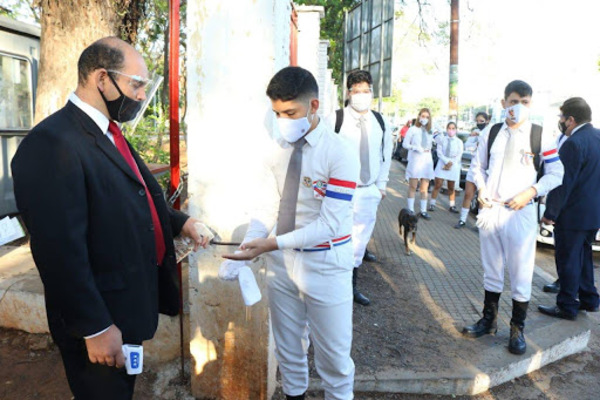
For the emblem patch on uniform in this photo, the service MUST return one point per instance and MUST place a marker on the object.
(306, 181)
(319, 188)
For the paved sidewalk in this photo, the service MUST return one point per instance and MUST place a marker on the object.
(445, 259)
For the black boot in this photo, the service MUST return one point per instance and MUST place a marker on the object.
(300, 397)
(487, 324)
(369, 256)
(358, 296)
(516, 343)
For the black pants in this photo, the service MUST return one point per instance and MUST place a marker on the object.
(575, 267)
(91, 381)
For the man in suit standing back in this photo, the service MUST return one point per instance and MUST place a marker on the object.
(573, 209)
(101, 231)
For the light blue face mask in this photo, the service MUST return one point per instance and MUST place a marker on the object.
(292, 130)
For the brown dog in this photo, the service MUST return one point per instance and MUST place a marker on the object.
(407, 221)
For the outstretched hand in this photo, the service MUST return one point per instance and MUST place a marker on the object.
(253, 249)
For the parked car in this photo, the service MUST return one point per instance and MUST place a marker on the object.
(546, 232)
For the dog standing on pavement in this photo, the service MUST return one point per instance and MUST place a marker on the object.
(407, 222)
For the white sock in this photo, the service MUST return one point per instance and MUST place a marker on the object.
(411, 203)
(452, 203)
(463, 214)
(432, 202)
(423, 205)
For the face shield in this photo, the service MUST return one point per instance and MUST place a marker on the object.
(151, 88)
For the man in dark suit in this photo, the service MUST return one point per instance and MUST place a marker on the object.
(101, 231)
(573, 208)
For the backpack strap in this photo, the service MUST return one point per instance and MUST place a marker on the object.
(339, 119)
(536, 148)
(379, 119)
(493, 133)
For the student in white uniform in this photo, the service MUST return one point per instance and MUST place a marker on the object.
(449, 151)
(508, 183)
(482, 119)
(309, 185)
(369, 134)
(418, 142)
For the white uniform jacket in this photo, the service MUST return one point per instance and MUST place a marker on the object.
(379, 161)
(328, 179)
(453, 174)
(420, 161)
(486, 173)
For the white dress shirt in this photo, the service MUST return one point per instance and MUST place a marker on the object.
(350, 131)
(95, 114)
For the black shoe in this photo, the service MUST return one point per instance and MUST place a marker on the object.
(431, 208)
(453, 209)
(488, 324)
(516, 343)
(425, 215)
(369, 257)
(553, 287)
(460, 224)
(589, 308)
(556, 312)
(358, 296)
(300, 397)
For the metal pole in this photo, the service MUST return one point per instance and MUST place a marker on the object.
(381, 57)
(174, 143)
(344, 66)
(453, 92)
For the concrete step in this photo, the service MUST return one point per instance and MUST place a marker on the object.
(22, 305)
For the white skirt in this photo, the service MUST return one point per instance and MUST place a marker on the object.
(420, 165)
(453, 174)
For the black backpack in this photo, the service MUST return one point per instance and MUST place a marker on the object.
(535, 140)
(339, 120)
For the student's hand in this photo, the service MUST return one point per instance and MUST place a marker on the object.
(107, 348)
(483, 198)
(522, 199)
(253, 249)
(383, 194)
(190, 231)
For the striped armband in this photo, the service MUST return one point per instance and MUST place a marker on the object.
(339, 189)
(550, 156)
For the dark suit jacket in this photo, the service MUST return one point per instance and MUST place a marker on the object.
(575, 205)
(91, 230)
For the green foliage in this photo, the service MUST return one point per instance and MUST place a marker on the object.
(433, 103)
(332, 28)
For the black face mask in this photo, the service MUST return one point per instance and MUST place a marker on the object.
(562, 127)
(123, 108)
(481, 126)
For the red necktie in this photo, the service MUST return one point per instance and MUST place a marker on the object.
(126, 153)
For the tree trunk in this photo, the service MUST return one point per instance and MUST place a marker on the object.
(68, 27)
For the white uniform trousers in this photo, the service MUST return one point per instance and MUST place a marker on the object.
(311, 292)
(508, 238)
(366, 201)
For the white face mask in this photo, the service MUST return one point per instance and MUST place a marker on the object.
(424, 121)
(293, 129)
(517, 113)
(361, 101)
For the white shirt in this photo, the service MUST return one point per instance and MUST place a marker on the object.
(350, 131)
(324, 207)
(95, 114)
(487, 173)
(455, 152)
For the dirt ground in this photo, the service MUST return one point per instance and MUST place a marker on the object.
(30, 365)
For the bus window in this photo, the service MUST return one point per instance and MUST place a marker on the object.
(16, 97)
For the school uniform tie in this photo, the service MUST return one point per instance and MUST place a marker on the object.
(424, 139)
(448, 151)
(510, 165)
(365, 168)
(286, 218)
(123, 148)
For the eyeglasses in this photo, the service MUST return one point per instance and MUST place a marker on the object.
(135, 81)
(357, 91)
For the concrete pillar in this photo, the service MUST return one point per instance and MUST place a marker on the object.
(234, 48)
(309, 43)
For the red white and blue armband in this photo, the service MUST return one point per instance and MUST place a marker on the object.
(550, 156)
(339, 189)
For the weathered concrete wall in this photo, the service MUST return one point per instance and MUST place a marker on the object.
(234, 48)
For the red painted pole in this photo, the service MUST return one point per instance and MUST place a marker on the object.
(174, 143)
